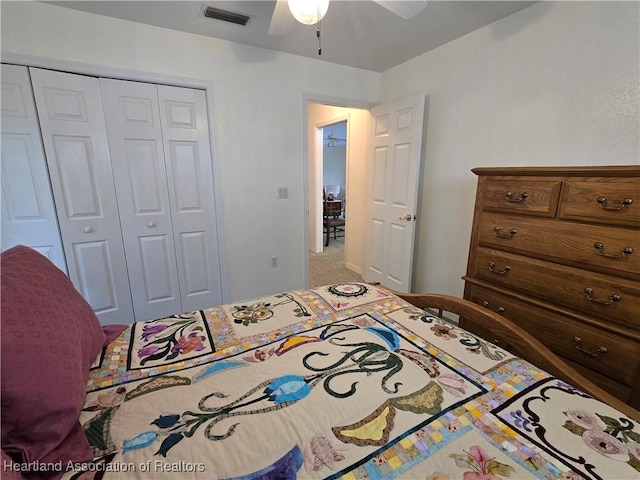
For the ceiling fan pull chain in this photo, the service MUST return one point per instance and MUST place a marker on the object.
(319, 41)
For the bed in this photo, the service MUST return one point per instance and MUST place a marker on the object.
(346, 381)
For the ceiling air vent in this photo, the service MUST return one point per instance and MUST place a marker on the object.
(226, 15)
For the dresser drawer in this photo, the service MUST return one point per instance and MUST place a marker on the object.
(617, 389)
(614, 201)
(613, 299)
(525, 196)
(592, 246)
(597, 350)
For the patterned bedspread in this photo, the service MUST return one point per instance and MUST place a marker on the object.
(344, 381)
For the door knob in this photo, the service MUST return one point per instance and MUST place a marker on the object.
(151, 224)
(408, 217)
(88, 229)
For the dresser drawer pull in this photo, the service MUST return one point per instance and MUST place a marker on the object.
(597, 353)
(519, 199)
(496, 232)
(600, 247)
(614, 298)
(602, 201)
(492, 268)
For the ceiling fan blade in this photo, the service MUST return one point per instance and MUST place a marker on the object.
(403, 8)
(282, 20)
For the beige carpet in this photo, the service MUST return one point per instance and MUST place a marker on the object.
(328, 267)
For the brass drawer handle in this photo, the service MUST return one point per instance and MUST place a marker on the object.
(492, 268)
(496, 232)
(519, 199)
(600, 247)
(602, 201)
(499, 310)
(597, 353)
(614, 298)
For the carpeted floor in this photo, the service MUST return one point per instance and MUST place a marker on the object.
(328, 267)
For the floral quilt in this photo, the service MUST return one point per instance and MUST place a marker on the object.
(344, 382)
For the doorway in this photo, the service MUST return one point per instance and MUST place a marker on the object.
(384, 176)
(327, 266)
(334, 176)
(349, 128)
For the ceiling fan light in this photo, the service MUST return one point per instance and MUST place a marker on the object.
(308, 12)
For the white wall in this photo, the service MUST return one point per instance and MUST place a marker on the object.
(334, 165)
(555, 84)
(257, 120)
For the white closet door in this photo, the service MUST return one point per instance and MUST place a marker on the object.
(137, 156)
(28, 211)
(74, 135)
(185, 133)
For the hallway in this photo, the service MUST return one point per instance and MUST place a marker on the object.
(328, 267)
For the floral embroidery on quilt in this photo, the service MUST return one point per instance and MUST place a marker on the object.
(478, 465)
(323, 452)
(456, 342)
(602, 444)
(260, 311)
(337, 357)
(171, 339)
(611, 437)
(343, 296)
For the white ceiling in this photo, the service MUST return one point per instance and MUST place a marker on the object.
(358, 33)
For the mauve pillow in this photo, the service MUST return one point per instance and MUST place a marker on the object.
(10, 470)
(50, 336)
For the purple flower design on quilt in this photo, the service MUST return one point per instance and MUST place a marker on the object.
(149, 331)
(146, 351)
(614, 438)
(480, 466)
(189, 343)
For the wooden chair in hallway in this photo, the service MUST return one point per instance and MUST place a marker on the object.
(332, 219)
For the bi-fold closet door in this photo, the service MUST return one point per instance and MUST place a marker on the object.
(28, 211)
(130, 169)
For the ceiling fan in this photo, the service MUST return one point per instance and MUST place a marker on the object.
(283, 18)
(332, 140)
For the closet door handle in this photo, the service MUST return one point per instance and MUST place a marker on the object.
(151, 224)
(87, 229)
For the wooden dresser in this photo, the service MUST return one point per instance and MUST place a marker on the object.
(557, 250)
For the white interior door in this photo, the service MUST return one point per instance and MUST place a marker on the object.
(185, 133)
(75, 141)
(28, 211)
(137, 156)
(393, 175)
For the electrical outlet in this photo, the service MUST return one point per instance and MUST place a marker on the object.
(274, 262)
